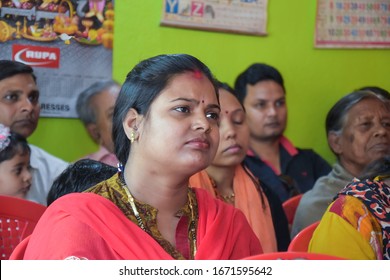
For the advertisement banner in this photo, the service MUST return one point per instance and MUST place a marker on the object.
(67, 42)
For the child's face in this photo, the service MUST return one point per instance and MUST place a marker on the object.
(15, 176)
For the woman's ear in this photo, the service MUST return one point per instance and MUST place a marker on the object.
(131, 123)
(334, 140)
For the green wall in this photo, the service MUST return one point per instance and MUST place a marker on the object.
(314, 78)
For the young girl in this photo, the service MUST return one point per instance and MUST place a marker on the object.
(15, 174)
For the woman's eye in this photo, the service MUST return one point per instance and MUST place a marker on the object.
(238, 118)
(213, 115)
(182, 109)
(365, 125)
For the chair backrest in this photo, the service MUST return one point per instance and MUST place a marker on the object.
(293, 256)
(300, 242)
(18, 218)
(290, 207)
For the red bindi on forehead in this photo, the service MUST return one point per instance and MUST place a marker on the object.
(198, 74)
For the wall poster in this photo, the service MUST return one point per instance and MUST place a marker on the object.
(353, 24)
(67, 42)
(237, 16)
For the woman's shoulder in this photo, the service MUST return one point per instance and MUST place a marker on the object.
(356, 213)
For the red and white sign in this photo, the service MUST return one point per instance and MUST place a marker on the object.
(36, 56)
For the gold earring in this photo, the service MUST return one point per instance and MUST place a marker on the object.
(132, 136)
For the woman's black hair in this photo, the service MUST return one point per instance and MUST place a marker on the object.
(18, 145)
(141, 87)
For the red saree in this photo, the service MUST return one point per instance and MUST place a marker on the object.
(86, 225)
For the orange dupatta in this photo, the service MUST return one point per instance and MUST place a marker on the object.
(247, 199)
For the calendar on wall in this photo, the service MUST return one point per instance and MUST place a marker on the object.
(237, 16)
(353, 24)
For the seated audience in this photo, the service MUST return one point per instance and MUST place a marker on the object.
(15, 173)
(358, 131)
(357, 224)
(78, 177)
(95, 107)
(165, 129)
(226, 179)
(272, 157)
(19, 110)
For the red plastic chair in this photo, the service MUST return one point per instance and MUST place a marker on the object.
(18, 252)
(290, 207)
(293, 256)
(18, 218)
(300, 243)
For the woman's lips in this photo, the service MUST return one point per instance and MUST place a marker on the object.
(199, 143)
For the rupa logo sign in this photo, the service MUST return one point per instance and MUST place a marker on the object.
(37, 56)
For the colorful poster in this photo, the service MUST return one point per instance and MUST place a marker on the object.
(238, 16)
(353, 24)
(67, 42)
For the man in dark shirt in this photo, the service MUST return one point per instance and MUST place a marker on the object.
(272, 157)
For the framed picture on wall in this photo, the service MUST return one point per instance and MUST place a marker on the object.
(353, 24)
(237, 16)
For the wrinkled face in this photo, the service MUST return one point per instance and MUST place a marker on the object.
(365, 137)
(104, 104)
(19, 107)
(15, 176)
(265, 105)
(233, 132)
(181, 133)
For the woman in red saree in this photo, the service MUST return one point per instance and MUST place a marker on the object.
(165, 129)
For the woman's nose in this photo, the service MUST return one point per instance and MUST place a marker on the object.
(228, 130)
(201, 123)
(380, 130)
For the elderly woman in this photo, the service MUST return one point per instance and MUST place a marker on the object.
(358, 130)
(357, 224)
(165, 129)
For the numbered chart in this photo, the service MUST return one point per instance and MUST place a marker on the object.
(353, 24)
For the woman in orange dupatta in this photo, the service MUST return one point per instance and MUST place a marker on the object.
(230, 181)
(165, 129)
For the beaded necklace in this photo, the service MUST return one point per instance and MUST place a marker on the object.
(191, 226)
(227, 198)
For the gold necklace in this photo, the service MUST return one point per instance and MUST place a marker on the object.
(130, 199)
(192, 224)
(227, 198)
